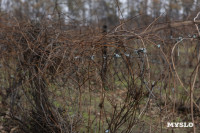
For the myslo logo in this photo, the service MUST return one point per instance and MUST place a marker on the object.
(180, 124)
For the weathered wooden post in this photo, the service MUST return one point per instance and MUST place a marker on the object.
(104, 59)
